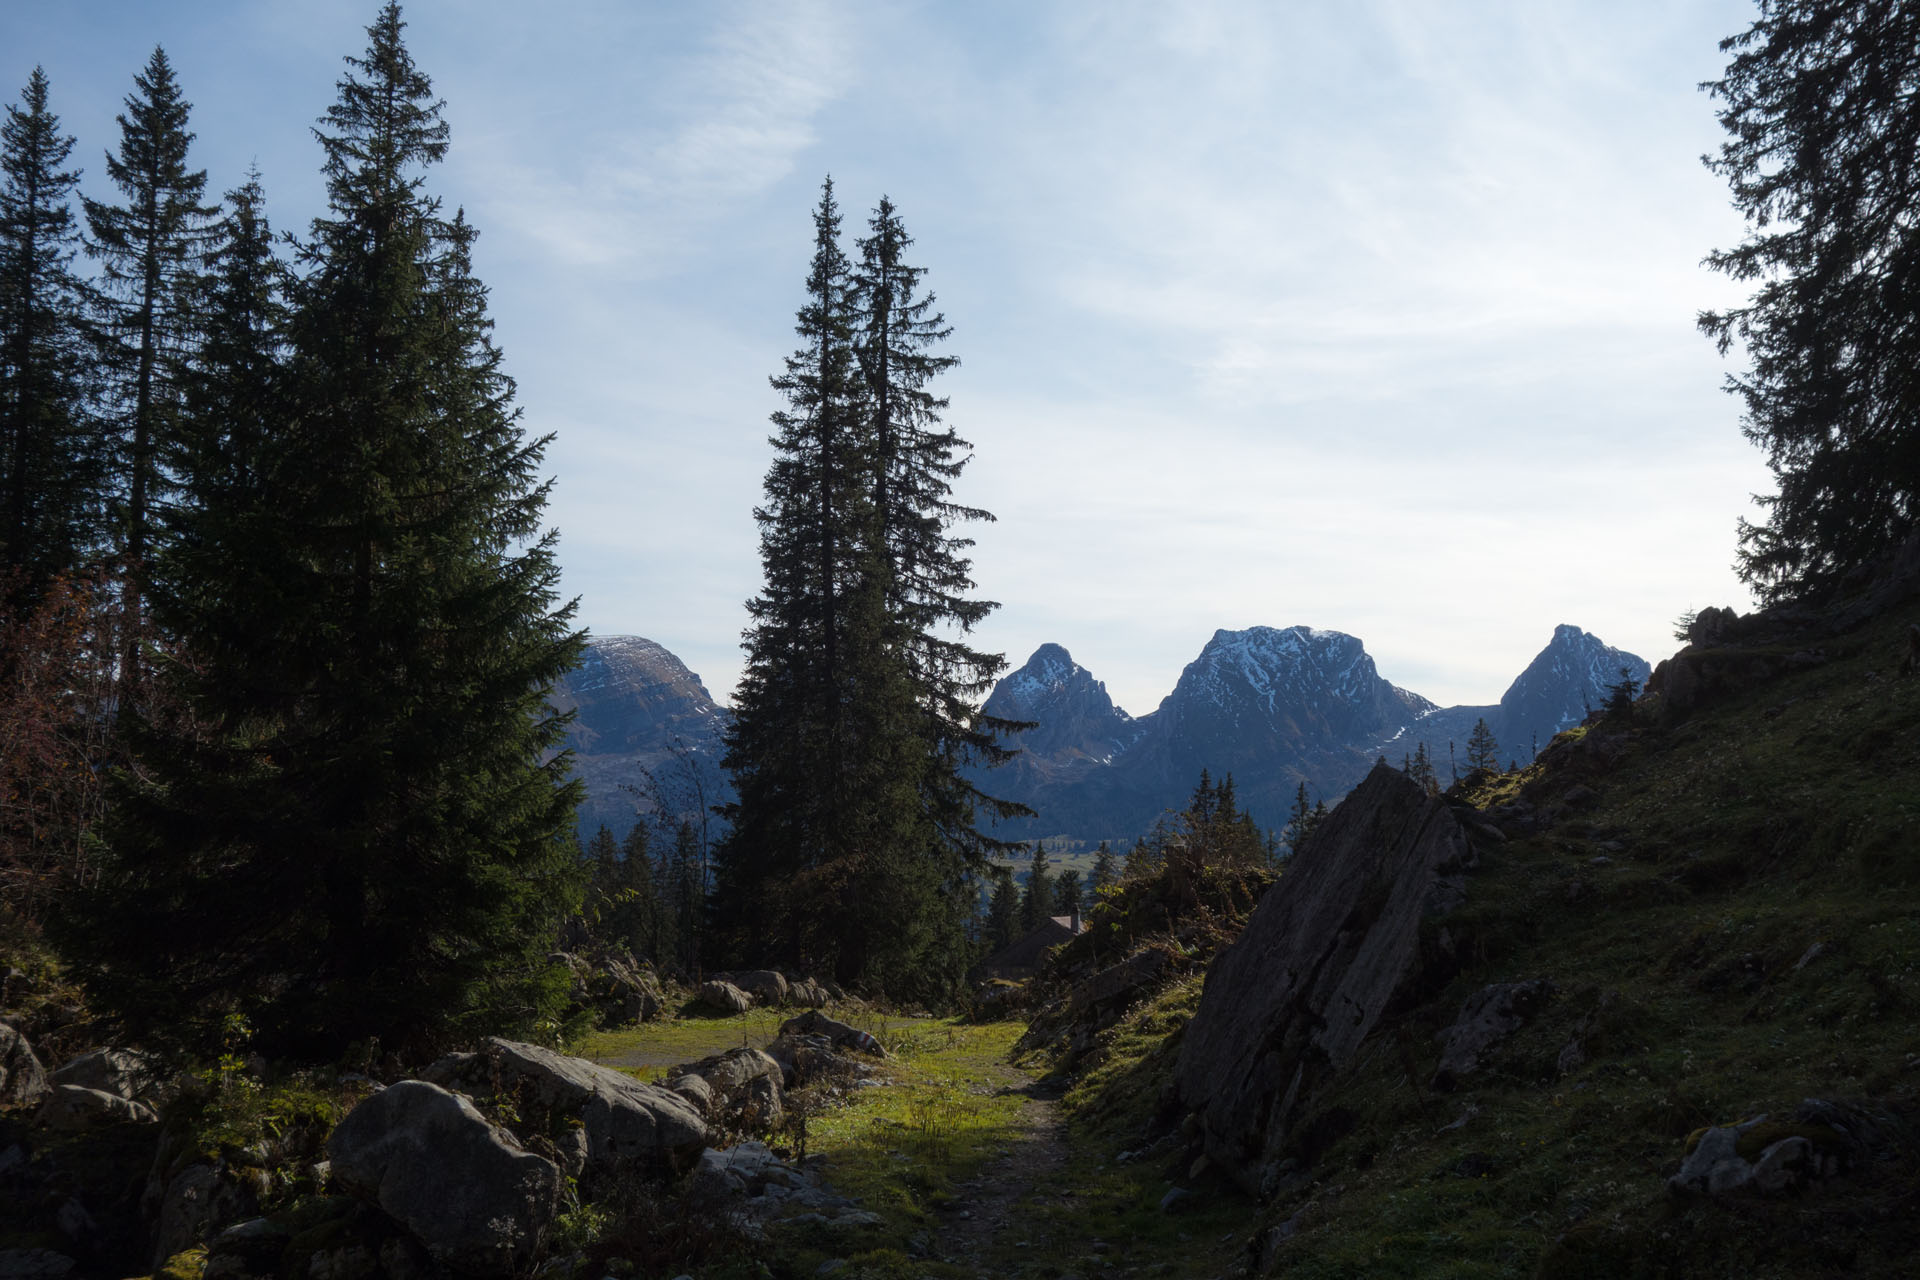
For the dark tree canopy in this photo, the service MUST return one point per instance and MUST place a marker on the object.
(362, 829)
(1821, 104)
(150, 246)
(52, 459)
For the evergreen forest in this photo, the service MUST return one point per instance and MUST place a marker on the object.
(307, 971)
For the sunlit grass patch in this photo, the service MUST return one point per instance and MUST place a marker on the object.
(939, 1110)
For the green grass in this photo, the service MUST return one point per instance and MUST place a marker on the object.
(650, 1048)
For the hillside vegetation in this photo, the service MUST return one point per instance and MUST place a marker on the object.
(1726, 902)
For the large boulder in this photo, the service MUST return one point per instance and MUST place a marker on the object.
(744, 1085)
(73, 1107)
(462, 1187)
(198, 1202)
(764, 985)
(125, 1073)
(629, 1126)
(843, 1035)
(807, 993)
(23, 1081)
(723, 996)
(1321, 958)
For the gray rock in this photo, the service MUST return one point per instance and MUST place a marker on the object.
(843, 1035)
(630, 1127)
(696, 1091)
(196, 1204)
(807, 993)
(71, 1107)
(249, 1250)
(1287, 1007)
(745, 1085)
(723, 996)
(1175, 1200)
(764, 985)
(462, 1187)
(1489, 1016)
(23, 1081)
(122, 1072)
(35, 1264)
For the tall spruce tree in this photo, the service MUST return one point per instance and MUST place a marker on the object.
(365, 832)
(52, 460)
(822, 747)
(150, 247)
(915, 460)
(1821, 104)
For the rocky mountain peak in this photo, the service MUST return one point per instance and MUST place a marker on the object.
(1071, 711)
(1568, 679)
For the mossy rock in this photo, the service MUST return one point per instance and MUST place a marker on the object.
(188, 1264)
(1761, 1136)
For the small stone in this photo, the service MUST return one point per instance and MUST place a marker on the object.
(1175, 1200)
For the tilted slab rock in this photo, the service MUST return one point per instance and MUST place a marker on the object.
(1288, 1005)
(462, 1187)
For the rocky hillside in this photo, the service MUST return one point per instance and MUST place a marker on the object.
(1272, 706)
(1645, 1008)
(641, 720)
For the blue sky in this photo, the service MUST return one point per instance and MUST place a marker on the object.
(1373, 316)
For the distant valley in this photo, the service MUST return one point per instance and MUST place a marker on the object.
(1274, 707)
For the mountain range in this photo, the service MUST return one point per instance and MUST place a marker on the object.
(1275, 707)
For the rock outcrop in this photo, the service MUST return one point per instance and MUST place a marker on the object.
(462, 1187)
(1320, 960)
(723, 997)
(629, 1127)
(1489, 1016)
(23, 1081)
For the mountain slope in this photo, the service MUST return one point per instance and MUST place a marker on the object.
(642, 721)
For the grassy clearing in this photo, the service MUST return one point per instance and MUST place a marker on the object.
(648, 1049)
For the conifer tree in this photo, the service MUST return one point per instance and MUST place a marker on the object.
(1420, 770)
(1821, 104)
(1299, 818)
(52, 460)
(1483, 751)
(1003, 910)
(914, 460)
(364, 832)
(1066, 893)
(1036, 900)
(150, 248)
(688, 899)
(1106, 870)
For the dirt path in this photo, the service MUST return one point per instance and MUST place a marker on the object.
(991, 1217)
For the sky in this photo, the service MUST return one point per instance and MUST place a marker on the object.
(1375, 317)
